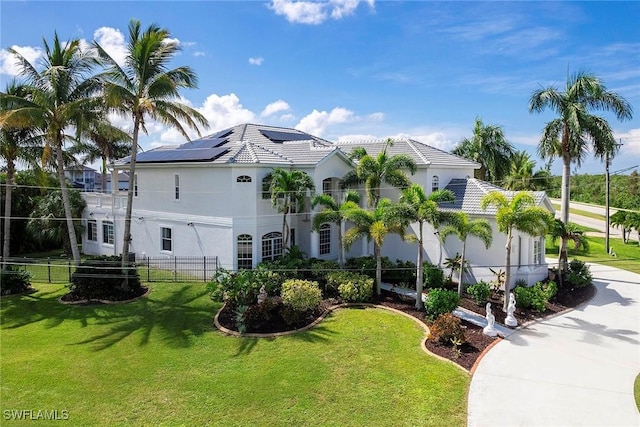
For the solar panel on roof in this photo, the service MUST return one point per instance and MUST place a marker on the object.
(279, 136)
(184, 155)
(206, 142)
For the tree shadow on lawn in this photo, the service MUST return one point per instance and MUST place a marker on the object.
(174, 318)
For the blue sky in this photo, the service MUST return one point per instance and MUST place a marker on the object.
(349, 69)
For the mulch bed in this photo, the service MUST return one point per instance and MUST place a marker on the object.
(476, 341)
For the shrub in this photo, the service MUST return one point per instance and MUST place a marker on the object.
(257, 315)
(352, 287)
(441, 301)
(13, 280)
(102, 277)
(242, 287)
(535, 297)
(320, 269)
(400, 272)
(433, 276)
(447, 329)
(578, 274)
(480, 292)
(367, 265)
(301, 295)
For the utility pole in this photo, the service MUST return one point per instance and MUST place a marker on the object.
(606, 197)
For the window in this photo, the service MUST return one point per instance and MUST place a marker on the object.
(92, 230)
(326, 186)
(135, 185)
(165, 239)
(271, 246)
(435, 183)
(243, 178)
(245, 252)
(325, 239)
(538, 246)
(266, 187)
(107, 232)
(176, 179)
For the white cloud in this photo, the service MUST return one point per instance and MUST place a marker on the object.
(287, 117)
(225, 111)
(113, 42)
(8, 61)
(171, 40)
(256, 61)
(317, 122)
(199, 53)
(314, 13)
(376, 117)
(630, 144)
(356, 137)
(275, 107)
(436, 139)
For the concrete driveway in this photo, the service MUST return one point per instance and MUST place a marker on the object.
(576, 369)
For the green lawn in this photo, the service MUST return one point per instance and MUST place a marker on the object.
(628, 255)
(159, 361)
(581, 212)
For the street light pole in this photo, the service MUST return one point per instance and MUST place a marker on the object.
(606, 197)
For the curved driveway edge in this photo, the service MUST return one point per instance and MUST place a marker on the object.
(576, 369)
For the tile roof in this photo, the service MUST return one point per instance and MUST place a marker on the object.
(420, 152)
(469, 193)
(246, 143)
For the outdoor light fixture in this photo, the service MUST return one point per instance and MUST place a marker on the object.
(190, 224)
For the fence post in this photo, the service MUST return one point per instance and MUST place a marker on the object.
(148, 270)
(175, 268)
(69, 267)
(204, 267)
(49, 268)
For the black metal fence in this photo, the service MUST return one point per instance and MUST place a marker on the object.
(151, 269)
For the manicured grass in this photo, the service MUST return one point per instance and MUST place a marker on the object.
(581, 212)
(636, 391)
(627, 255)
(159, 361)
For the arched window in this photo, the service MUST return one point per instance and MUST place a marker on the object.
(325, 239)
(435, 183)
(243, 178)
(245, 252)
(271, 246)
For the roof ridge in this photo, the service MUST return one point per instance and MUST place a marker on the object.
(413, 147)
(275, 153)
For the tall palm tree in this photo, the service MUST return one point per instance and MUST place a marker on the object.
(144, 86)
(375, 225)
(62, 97)
(414, 206)
(103, 142)
(577, 128)
(562, 231)
(373, 171)
(333, 212)
(16, 145)
(517, 213)
(463, 227)
(288, 190)
(489, 147)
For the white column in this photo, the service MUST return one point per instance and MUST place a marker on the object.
(315, 244)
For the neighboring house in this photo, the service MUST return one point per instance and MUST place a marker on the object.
(207, 198)
(83, 178)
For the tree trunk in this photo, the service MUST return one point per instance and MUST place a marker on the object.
(460, 279)
(285, 228)
(104, 175)
(6, 244)
(507, 271)
(66, 202)
(419, 273)
(376, 251)
(126, 237)
(565, 196)
(340, 247)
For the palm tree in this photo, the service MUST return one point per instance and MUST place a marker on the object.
(517, 213)
(288, 190)
(567, 232)
(576, 126)
(106, 143)
(521, 176)
(333, 212)
(414, 206)
(489, 147)
(62, 97)
(463, 227)
(16, 145)
(145, 87)
(375, 225)
(373, 171)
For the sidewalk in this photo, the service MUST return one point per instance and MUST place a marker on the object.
(576, 369)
